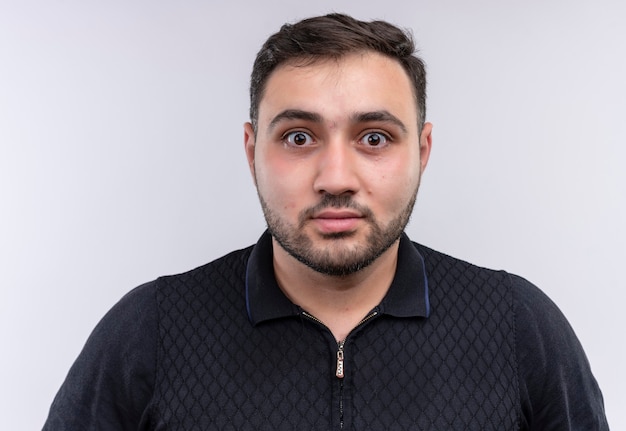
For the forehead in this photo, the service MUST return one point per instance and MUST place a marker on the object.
(359, 82)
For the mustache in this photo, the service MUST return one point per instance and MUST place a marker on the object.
(335, 201)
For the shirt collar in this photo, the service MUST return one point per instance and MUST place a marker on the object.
(407, 295)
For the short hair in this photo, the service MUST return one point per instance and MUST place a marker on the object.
(331, 37)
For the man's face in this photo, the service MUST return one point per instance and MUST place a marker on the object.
(337, 159)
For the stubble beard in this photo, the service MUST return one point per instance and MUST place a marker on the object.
(334, 258)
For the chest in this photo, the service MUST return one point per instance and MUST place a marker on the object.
(446, 372)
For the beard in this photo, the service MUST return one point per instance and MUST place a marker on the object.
(334, 258)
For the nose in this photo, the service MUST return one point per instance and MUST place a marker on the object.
(337, 169)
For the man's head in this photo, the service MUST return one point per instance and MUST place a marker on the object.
(332, 37)
(338, 143)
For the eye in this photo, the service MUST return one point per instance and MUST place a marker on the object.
(374, 139)
(298, 138)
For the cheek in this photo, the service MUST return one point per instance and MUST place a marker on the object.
(280, 184)
(395, 178)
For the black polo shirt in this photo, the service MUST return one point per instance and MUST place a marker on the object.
(451, 347)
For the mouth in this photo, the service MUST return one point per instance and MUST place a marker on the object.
(332, 221)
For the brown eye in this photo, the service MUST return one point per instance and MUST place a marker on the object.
(298, 138)
(374, 139)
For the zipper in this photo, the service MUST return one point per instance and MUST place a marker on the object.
(341, 404)
(340, 368)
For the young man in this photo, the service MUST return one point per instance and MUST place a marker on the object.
(334, 319)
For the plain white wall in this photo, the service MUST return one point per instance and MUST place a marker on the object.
(121, 159)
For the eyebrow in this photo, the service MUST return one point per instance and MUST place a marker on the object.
(382, 116)
(294, 114)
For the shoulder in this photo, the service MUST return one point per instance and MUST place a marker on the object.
(112, 382)
(137, 306)
(231, 265)
(556, 387)
(207, 284)
(538, 315)
(438, 262)
(453, 279)
(556, 384)
(544, 336)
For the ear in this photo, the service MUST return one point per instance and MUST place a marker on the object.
(426, 143)
(249, 143)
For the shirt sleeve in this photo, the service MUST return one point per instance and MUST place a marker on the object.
(557, 389)
(110, 385)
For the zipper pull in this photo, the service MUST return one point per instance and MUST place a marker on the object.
(339, 372)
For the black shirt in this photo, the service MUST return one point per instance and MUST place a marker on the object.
(451, 347)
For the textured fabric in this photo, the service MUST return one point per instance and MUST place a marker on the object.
(451, 347)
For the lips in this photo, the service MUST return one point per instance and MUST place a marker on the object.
(337, 220)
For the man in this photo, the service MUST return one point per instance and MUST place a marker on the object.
(334, 319)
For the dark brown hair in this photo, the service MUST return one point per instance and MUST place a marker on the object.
(333, 36)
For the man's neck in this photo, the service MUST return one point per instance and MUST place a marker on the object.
(338, 302)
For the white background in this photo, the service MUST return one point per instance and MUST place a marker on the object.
(121, 159)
